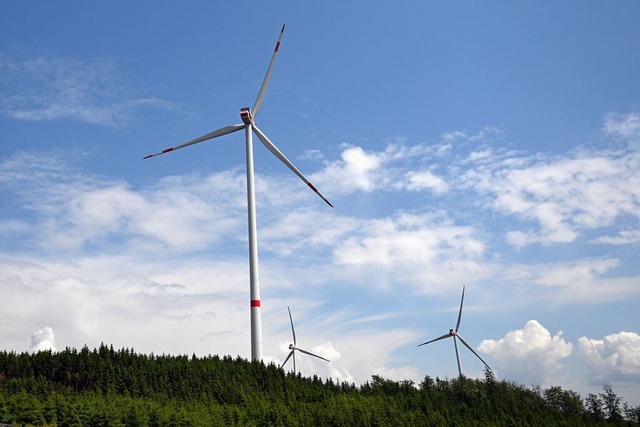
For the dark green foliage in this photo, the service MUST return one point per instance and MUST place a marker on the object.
(105, 387)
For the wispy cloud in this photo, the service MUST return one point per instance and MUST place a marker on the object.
(622, 125)
(75, 210)
(625, 237)
(563, 195)
(46, 88)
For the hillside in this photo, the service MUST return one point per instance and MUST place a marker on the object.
(103, 387)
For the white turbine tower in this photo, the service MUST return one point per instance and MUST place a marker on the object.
(293, 347)
(454, 334)
(248, 116)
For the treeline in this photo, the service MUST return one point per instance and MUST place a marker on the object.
(105, 387)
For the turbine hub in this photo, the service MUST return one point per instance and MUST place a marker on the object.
(245, 115)
(291, 347)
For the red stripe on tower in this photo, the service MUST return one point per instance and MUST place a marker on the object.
(255, 303)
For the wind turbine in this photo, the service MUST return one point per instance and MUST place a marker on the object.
(293, 347)
(454, 334)
(248, 124)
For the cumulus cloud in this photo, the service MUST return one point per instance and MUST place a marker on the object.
(332, 369)
(52, 88)
(616, 357)
(357, 170)
(43, 339)
(530, 354)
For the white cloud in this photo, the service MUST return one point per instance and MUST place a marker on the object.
(371, 352)
(625, 237)
(615, 357)
(521, 239)
(530, 355)
(581, 273)
(488, 133)
(564, 195)
(358, 170)
(43, 339)
(76, 210)
(367, 171)
(453, 135)
(291, 234)
(623, 126)
(423, 250)
(160, 305)
(49, 88)
(426, 180)
(562, 282)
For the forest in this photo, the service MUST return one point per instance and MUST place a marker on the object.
(107, 387)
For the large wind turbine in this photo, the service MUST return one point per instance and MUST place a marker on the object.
(248, 124)
(454, 334)
(293, 347)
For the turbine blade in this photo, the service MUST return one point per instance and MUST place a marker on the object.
(311, 354)
(216, 133)
(434, 340)
(285, 360)
(267, 77)
(292, 330)
(276, 152)
(455, 344)
(473, 351)
(460, 312)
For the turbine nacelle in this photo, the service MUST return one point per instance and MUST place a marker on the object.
(245, 115)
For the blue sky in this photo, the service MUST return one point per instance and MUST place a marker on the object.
(491, 145)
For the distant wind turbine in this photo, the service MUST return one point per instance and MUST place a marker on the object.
(248, 116)
(293, 347)
(454, 334)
